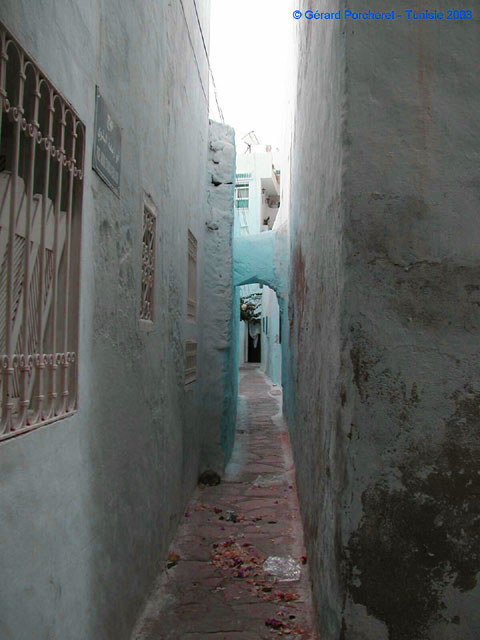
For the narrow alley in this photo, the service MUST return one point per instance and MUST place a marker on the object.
(239, 320)
(214, 583)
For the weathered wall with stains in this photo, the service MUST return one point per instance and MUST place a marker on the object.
(312, 351)
(413, 241)
(219, 353)
(384, 390)
(90, 503)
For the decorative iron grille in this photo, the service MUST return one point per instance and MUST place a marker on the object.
(192, 277)
(191, 351)
(42, 144)
(148, 264)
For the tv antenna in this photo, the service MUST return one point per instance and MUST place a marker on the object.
(250, 139)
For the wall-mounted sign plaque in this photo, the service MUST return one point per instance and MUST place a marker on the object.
(107, 145)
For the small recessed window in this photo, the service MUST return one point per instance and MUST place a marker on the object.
(192, 277)
(190, 361)
(148, 265)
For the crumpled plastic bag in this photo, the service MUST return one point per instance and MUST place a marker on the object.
(285, 568)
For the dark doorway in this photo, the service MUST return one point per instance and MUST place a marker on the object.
(254, 352)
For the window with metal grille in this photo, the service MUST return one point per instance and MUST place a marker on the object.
(242, 196)
(190, 361)
(192, 277)
(148, 264)
(41, 181)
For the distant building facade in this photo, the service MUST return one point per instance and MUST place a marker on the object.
(257, 192)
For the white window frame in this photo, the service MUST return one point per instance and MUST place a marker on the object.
(238, 186)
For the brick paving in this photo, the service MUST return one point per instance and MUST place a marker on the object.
(215, 585)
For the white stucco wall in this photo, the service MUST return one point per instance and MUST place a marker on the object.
(90, 503)
(383, 386)
(219, 356)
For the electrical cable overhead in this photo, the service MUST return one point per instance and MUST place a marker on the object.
(209, 66)
(193, 51)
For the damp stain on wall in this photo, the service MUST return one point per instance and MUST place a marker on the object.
(414, 542)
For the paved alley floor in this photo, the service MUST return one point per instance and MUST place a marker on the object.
(239, 541)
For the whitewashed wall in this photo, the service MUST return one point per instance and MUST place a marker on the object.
(89, 504)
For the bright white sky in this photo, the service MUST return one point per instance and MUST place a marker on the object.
(248, 55)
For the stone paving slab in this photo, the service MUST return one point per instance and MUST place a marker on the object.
(214, 585)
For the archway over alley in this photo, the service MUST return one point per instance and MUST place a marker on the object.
(259, 334)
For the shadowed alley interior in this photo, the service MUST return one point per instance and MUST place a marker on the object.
(214, 584)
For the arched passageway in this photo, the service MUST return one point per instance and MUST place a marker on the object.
(259, 335)
(260, 277)
(262, 258)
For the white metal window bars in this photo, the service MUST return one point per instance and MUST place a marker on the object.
(242, 191)
(42, 144)
(192, 277)
(242, 196)
(148, 265)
